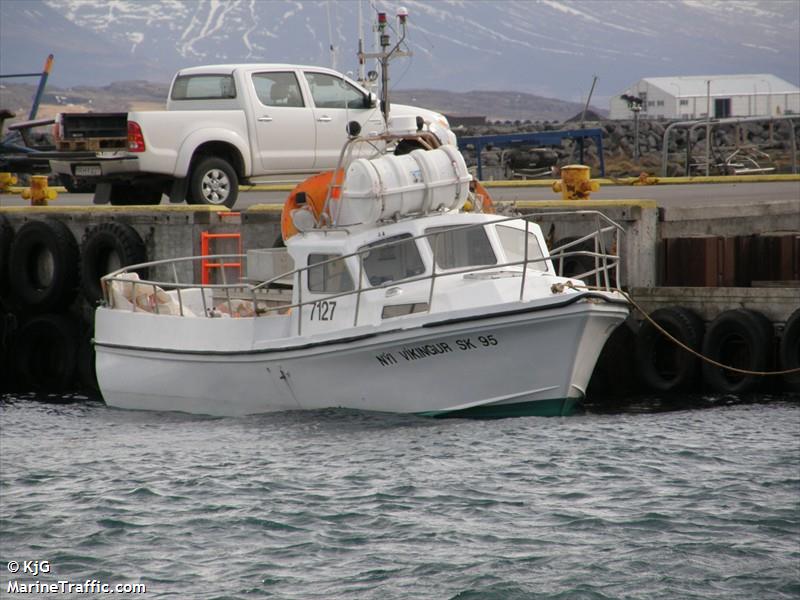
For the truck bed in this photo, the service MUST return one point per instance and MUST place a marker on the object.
(93, 132)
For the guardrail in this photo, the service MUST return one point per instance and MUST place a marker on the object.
(605, 274)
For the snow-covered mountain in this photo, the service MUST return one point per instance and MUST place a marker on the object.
(546, 47)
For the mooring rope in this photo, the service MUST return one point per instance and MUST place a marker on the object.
(672, 338)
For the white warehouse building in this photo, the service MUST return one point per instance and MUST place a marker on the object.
(730, 95)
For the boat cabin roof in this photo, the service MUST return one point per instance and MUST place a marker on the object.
(393, 251)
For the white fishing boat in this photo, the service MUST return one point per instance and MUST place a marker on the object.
(397, 300)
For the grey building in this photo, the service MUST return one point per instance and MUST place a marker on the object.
(729, 95)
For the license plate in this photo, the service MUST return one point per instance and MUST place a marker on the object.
(88, 171)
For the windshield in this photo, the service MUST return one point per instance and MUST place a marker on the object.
(458, 247)
(328, 277)
(513, 241)
(392, 259)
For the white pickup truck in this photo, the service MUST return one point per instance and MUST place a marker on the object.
(224, 125)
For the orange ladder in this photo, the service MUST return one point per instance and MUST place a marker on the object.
(207, 265)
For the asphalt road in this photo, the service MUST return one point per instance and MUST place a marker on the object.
(679, 195)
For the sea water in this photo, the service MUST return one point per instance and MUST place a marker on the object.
(695, 499)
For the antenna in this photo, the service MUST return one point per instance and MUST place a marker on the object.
(588, 100)
(362, 72)
(385, 55)
(330, 37)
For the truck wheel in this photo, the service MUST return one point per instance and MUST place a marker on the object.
(214, 182)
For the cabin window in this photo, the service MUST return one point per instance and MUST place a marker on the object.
(390, 311)
(513, 242)
(458, 247)
(203, 87)
(332, 92)
(328, 277)
(391, 259)
(278, 89)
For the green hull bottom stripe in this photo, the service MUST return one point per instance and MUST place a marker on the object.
(557, 407)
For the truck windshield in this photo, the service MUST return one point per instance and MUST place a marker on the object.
(203, 87)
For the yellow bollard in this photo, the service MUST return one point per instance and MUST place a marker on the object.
(6, 181)
(39, 193)
(575, 183)
(644, 179)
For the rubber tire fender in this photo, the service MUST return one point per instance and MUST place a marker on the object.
(575, 265)
(662, 365)
(790, 350)
(85, 360)
(33, 240)
(740, 338)
(45, 354)
(199, 172)
(6, 236)
(105, 248)
(8, 324)
(614, 375)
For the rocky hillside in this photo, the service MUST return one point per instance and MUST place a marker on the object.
(495, 106)
(766, 147)
(119, 96)
(128, 95)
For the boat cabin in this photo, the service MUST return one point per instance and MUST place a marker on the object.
(369, 275)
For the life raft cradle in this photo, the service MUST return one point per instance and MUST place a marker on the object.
(316, 193)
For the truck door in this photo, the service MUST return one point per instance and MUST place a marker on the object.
(337, 102)
(285, 129)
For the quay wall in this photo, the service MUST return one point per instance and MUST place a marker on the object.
(171, 231)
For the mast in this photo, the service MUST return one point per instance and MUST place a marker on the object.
(362, 72)
(385, 55)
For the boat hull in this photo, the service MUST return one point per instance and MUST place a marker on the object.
(535, 362)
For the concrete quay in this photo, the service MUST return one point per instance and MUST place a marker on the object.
(690, 253)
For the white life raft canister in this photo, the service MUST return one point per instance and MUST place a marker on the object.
(390, 186)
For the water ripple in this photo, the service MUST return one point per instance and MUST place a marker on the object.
(633, 504)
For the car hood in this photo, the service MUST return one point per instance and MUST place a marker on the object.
(435, 122)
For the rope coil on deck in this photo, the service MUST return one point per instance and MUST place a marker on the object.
(560, 287)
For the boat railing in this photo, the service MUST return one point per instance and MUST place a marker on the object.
(605, 275)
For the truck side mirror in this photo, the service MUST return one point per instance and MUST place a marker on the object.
(371, 101)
